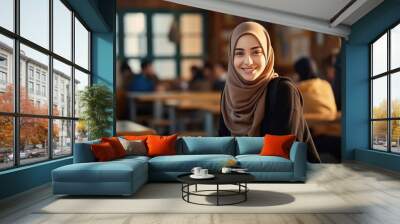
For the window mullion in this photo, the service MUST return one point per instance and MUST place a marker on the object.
(73, 82)
(149, 34)
(389, 106)
(371, 140)
(50, 81)
(16, 84)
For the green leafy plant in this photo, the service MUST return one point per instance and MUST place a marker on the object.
(96, 102)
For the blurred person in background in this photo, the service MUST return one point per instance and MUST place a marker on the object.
(220, 70)
(319, 100)
(202, 78)
(124, 75)
(146, 80)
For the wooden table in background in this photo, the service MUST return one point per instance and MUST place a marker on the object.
(173, 101)
(132, 128)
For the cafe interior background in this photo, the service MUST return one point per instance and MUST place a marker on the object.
(171, 70)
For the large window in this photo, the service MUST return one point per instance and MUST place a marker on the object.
(174, 41)
(44, 64)
(385, 93)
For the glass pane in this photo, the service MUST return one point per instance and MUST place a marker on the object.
(81, 81)
(81, 131)
(6, 74)
(186, 65)
(62, 138)
(395, 95)
(191, 23)
(135, 23)
(162, 23)
(33, 139)
(379, 55)
(379, 135)
(62, 89)
(395, 136)
(6, 142)
(135, 65)
(7, 14)
(81, 45)
(395, 47)
(379, 98)
(135, 46)
(192, 45)
(163, 46)
(165, 69)
(62, 29)
(34, 96)
(35, 21)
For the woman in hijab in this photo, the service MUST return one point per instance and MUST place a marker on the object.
(255, 100)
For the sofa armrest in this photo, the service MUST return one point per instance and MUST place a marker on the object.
(298, 155)
(83, 152)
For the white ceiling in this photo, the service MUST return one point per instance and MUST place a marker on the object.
(315, 15)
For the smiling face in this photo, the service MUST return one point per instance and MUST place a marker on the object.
(248, 57)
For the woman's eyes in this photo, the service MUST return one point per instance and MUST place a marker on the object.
(239, 53)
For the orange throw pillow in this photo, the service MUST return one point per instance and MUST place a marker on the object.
(116, 145)
(161, 145)
(103, 152)
(277, 145)
(135, 137)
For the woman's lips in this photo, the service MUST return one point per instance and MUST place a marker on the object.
(248, 70)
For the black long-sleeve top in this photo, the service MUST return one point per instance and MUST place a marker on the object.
(283, 115)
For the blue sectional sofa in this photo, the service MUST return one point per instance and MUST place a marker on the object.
(125, 176)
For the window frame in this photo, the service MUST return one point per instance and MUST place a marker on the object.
(16, 115)
(178, 57)
(388, 74)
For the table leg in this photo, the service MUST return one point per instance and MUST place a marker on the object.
(158, 109)
(196, 187)
(217, 194)
(209, 123)
(245, 193)
(172, 118)
(132, 109)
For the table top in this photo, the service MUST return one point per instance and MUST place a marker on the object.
(220, 178)
(154, 96)
(125, 127)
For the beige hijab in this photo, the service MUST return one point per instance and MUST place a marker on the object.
(243, 102)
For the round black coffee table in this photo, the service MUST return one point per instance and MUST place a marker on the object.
(238, 179)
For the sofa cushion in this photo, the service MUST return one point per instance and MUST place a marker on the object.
(257, 163)
(134, 147)
(116, 145)
(112, 171)
(103, 152)
(277, 145)
(185, 163)
(83, 152)
(206, 145)
(161, 145)
(249, 145)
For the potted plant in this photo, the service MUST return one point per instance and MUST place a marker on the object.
(96, 103)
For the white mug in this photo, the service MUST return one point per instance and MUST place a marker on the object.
(226, 170)
(196, 170)
(203, 172)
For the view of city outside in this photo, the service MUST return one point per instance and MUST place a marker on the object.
(34, 78)
(380, 90)
(62, 144)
